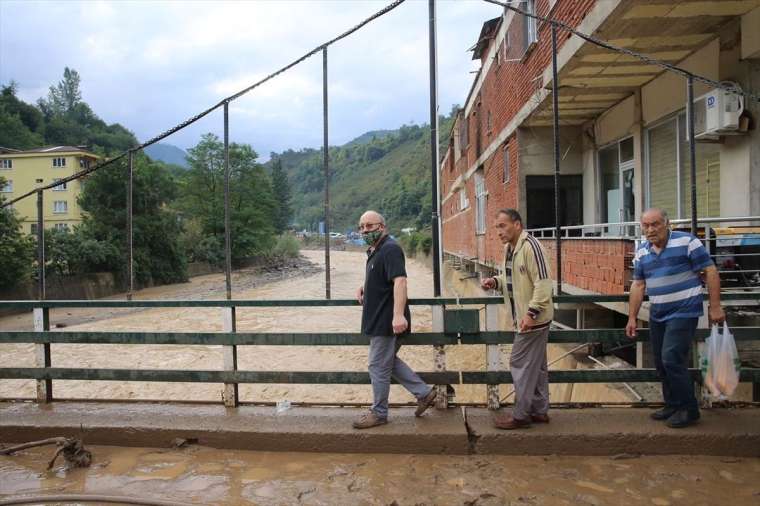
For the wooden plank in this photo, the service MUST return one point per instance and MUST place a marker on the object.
(594, 376)
(281, 377)
(335, 377)
(560, 299)
(229, 353)
(493, 357)
(338, 339)
(42, 357)
(218, 338)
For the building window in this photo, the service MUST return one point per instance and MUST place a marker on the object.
(669, 174)
(84, 163)
(8, 187)
(464, 202)
(457, 148)
(464, 137)
(616, 168)
(59, 161)
(60, 207)
(64, 227)
(489, 122)
(59, 188)
(33, 229)
(480, 202)
(6, 163)
(505, 152)
(530, 34)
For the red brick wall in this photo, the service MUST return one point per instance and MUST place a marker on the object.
(504, 91)
(598, 265)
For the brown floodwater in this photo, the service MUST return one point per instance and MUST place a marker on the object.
(347, 273)
(200, 475)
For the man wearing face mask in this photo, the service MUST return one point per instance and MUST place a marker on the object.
(385, 317)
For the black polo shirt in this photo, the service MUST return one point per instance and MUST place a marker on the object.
(384, 264)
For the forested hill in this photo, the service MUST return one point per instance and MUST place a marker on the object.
(385, 170)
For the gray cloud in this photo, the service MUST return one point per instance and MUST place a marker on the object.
(151, 65)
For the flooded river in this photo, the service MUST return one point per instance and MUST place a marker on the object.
(347, 273)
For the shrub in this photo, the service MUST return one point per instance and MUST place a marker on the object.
(287, 246)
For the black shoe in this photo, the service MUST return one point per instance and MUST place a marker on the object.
(682, 418)
(663, 414)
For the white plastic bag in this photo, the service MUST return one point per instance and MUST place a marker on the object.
(720, 364)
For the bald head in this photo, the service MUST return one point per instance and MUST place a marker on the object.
(371, 217)
(372, 227)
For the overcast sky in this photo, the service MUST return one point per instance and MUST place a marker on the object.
(152, 64)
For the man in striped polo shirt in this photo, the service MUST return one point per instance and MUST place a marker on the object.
(527, 287)
(669, 265)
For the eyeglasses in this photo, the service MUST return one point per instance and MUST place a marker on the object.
(366, 226)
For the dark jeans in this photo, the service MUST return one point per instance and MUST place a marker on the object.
(671, 342)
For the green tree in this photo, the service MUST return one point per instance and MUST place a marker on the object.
(16, 249)
(64, 96)
(252, 204)
(281, 189)
(19, 122)
(158, 258)
(68, 120)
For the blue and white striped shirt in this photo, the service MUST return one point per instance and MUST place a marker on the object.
(672, 276)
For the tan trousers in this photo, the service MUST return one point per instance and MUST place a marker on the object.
(530, 374)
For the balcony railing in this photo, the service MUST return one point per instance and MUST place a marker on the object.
(733, 242)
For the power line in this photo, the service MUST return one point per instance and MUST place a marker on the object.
(200, 115)
(639, 56)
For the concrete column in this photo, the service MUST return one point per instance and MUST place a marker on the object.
(493, 355)
(42, 354)
(230, 392)
(439, 358)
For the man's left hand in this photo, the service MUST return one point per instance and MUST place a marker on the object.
(399, 324)
(526, 323)
(716, 314)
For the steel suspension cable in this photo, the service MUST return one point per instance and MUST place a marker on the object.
(206, 112)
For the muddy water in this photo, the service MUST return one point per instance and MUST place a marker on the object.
(347, 274)
(206, 476)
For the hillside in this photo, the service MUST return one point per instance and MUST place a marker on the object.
(386, 170)
(168, 153)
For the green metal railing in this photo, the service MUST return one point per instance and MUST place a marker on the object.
(456, 331)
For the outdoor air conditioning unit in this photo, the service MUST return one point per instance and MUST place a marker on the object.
(717, 113)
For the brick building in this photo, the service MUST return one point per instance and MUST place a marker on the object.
(622, 130)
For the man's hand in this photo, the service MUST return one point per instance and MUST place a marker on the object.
(630, 328)
(716, 314)
(488, 283)
(360, 295)
(526, 323)
(399, 324)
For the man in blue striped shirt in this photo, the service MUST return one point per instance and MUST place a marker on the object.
(669, 265)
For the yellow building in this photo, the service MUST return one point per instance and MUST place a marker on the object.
(26, 170)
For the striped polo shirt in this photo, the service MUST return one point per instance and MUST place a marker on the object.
(672, 276)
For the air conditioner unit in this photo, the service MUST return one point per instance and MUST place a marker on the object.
(716, 113)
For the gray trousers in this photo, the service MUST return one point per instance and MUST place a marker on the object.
(384, 364)
(530, 374)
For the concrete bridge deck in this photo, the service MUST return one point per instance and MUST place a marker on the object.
(456, 431)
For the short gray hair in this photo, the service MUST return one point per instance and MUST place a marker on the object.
(662, 212)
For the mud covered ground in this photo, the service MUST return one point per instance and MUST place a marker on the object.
(199, 475)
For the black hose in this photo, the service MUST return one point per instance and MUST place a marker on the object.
(97, 498)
